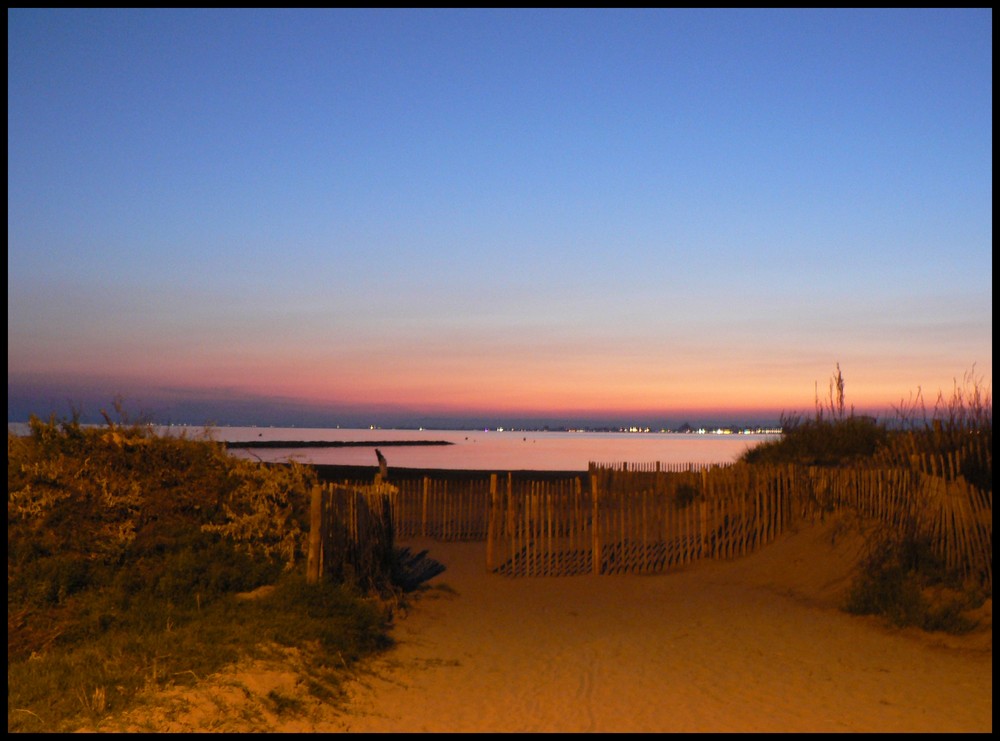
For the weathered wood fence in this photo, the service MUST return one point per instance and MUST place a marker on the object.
(351, 534)
(920, 450)
(612, 528)
(649, 518)
(442, 509)
(956, 517)
(647, 467)
(962, 527)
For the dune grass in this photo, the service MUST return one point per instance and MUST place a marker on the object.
(900, 577)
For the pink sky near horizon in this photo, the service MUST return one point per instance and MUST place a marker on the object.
(602, 387)
(554, 367)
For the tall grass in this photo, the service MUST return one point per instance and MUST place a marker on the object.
(960, 424)
(126, 553)
(900, 576)
(834, 436)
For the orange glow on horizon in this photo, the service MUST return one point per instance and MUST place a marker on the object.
(603, 388)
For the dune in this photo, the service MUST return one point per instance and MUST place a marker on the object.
(756, 644)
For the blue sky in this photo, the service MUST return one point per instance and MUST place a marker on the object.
(340, 215)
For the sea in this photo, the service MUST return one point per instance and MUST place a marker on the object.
(492, 449)
(478, 450)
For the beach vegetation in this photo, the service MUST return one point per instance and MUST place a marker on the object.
(834, 436)
(130, 560)
(822, 442)
(687, 494)
(959, 425)
(900, 576)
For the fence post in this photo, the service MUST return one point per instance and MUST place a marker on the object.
(703, 527)
(491, 525)
(509, 511)
(314, 561)
(423, 512)
(595, 527)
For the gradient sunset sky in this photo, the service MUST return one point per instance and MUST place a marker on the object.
(407, 216)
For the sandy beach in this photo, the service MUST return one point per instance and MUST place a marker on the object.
(756, 644)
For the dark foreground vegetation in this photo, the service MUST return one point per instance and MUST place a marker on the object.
(127, 556)
(130, 556)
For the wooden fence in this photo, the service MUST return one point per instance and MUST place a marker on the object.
(722, 512)
(448, 510)
(962, 527)
(650, 521)
(351, 534)
(920, 450)
(955, 516)
(649, 518)
(442, 509)
(647, 467)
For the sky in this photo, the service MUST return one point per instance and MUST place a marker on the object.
(325, 217)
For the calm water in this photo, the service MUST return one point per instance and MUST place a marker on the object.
(493, 450)
(484, 450)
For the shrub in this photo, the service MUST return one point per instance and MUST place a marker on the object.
(822, 442)
(265, 512)
(84, 502)
(687, 494)
(125, 554)
(900, 576)
(902, 579)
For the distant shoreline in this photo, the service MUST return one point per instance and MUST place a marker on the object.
(332, 443)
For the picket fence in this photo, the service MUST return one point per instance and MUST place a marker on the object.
(351, 534)
(651, 518)
(647, 525)
(443, 509)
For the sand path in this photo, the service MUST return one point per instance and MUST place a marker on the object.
(751, 645)
(756, 644)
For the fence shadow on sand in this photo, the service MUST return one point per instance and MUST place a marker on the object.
(415, 568)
